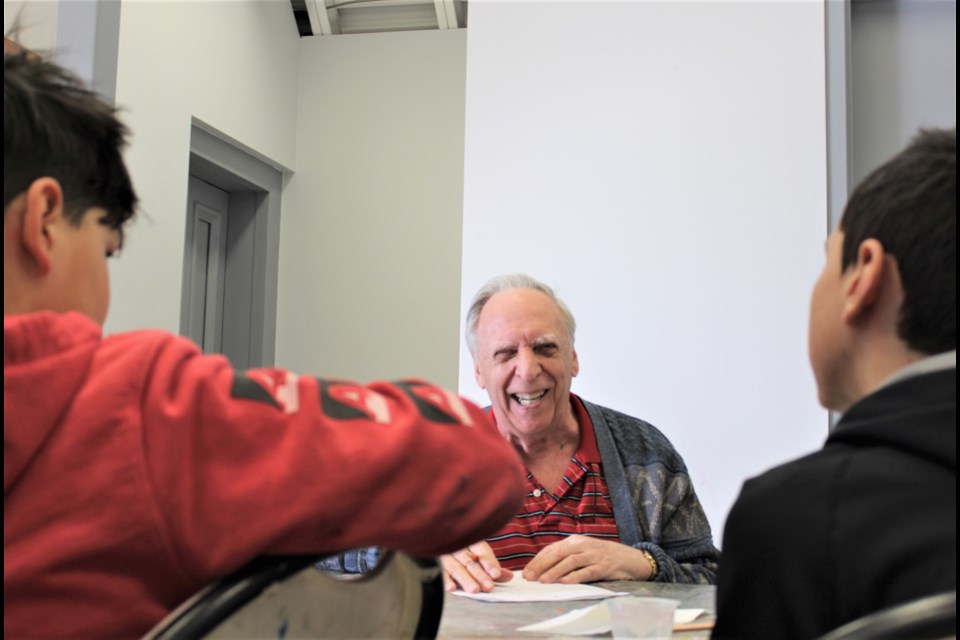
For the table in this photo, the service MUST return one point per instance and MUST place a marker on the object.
(467, 618)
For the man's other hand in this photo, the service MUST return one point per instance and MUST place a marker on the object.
(582, 559)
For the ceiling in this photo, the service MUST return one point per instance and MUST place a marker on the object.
(333, 17)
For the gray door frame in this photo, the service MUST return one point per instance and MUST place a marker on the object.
(253, 243)
(839, 170)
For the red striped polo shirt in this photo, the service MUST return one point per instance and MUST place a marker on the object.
(581, 504)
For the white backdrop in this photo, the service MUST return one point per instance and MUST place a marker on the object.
(663, 166)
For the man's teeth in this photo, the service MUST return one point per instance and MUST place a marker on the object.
(527, 398)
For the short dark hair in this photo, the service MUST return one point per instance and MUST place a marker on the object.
(909, 205)
(53, 126)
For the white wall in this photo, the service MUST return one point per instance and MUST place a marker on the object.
(36, 21)
(370, 242)
(231, 65)
(903, 57)
(663, 166)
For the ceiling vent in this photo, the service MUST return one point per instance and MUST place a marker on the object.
(333, 17)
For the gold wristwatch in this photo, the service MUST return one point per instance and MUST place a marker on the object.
(654, 567)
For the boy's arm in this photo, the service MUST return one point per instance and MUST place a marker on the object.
(267, 462)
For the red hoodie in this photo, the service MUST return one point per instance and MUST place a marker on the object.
(138, 470)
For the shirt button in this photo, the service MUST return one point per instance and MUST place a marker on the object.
(537, 493)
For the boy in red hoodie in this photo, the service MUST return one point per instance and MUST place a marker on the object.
(138, 470)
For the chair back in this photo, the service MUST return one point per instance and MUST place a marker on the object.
(929, 617)
(287, 597)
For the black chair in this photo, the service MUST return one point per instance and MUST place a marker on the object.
(287, 597)
(930, 617)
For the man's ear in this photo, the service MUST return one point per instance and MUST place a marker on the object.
(865, 280)
(43, 207)
(477, 376)
(576, 364)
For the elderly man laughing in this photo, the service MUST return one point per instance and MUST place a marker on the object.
(608, 496)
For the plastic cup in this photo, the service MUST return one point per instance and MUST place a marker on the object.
(641, 617)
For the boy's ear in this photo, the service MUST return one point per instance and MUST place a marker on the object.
(865, 281)
(43, 207)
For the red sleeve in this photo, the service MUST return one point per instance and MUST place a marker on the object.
(267, 462)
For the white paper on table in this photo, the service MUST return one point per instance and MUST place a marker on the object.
(595, 620)
(520, 590)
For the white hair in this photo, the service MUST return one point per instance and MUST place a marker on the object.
(505, 283)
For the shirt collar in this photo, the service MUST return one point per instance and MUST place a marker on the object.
(938, 362)
(587, 452)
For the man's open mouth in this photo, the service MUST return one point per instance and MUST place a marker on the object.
(528, 398)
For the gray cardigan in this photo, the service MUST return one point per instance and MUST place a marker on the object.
(654, 504)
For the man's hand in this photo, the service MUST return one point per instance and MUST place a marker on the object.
(473, 569)
(583, 559)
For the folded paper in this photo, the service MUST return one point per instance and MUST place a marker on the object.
(520, 590)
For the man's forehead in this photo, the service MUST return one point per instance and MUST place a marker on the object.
(519, 305)
(520, 314)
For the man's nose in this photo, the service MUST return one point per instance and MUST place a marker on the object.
(528, 365)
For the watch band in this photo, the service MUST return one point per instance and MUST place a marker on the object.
(654, 567)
